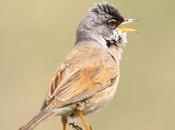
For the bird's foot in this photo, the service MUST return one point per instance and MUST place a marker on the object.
(73, 125)
(90, 127)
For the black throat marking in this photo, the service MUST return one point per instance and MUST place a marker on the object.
(110, 43)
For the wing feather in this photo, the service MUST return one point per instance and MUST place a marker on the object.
(81, 76)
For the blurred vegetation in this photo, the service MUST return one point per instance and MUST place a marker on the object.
(35, 35)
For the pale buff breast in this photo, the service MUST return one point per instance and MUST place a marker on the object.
(103, 98)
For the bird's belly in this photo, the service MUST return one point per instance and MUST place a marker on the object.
(100, 99)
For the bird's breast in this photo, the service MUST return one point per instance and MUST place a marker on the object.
(101, 98)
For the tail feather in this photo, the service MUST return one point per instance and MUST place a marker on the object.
(35, 121)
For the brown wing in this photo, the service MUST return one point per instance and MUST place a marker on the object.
(85, 71)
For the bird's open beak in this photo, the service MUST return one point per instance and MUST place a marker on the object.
(124, 29)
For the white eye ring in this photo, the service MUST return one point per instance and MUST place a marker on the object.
(112, 23)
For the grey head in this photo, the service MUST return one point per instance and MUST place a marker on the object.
(100, 25)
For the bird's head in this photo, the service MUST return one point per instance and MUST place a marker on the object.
(103, 23)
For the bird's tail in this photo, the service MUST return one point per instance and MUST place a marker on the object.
(37, 119)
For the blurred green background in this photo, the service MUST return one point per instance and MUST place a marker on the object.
(36, 34)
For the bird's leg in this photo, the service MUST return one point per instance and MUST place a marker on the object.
(75, 126)
(64, 122)
(84, 121)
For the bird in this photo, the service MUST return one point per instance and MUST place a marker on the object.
(87, 79)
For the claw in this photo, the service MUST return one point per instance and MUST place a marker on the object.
(73, 125)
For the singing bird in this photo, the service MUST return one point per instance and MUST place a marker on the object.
(88, 77)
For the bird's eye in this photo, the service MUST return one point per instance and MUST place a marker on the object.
(112, 23)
